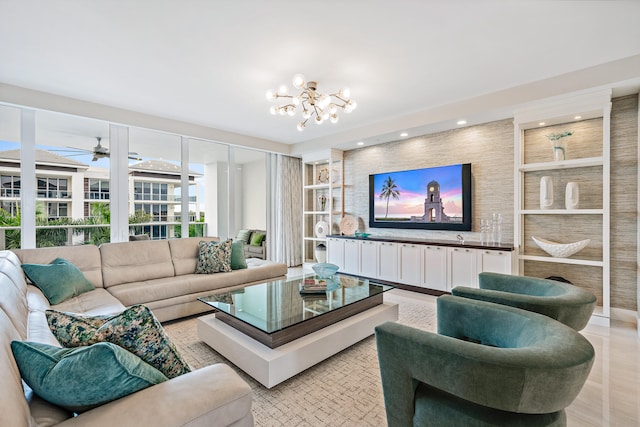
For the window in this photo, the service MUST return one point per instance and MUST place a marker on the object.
(10, 186)
(57, 210)
(98, 189)
(53, 188)
(158, 212)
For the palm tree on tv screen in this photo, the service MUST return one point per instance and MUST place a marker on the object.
(389, 189)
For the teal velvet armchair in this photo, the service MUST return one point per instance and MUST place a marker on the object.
(489, 364)
(563, 302)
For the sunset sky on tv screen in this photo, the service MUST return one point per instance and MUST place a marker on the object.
(412, 188)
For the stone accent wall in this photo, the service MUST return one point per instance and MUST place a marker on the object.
(489, 147)
(624, 199)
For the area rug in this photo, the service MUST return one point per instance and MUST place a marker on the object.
(344, 390)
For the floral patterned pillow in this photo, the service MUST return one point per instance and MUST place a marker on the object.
(214, 257)
(136, 329)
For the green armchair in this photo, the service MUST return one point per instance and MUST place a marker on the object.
(489, 364)
(563, 302)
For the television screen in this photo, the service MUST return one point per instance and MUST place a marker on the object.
(436, 198)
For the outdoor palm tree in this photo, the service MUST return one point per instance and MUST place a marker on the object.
(389, 189)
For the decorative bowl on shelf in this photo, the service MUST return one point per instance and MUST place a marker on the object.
(560, 250)
(325, 270)
(363, 235)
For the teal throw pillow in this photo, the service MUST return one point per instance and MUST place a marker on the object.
(58, 281)
(214, 257)
(82, 378)
(243, 236)
(238, 261)
(256, 239)
(136, 329)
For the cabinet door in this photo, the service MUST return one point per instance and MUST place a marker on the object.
(409, 263)
(388, 261)
(494, 261)
(351, 257)
(434, 270)
(462, 268)
(335, 252)
(368, 259)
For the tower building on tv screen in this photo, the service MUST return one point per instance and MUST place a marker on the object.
(433, 207)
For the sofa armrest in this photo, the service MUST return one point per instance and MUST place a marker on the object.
(213, 395)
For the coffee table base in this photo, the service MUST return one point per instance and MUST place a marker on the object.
(272, 366)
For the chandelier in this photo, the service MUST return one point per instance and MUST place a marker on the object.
(314, 104)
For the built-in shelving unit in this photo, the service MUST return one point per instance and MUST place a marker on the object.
(587, 163)
(323, 201)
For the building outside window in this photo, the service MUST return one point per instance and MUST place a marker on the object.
(10, 186)
(98, 189)
(57, 210)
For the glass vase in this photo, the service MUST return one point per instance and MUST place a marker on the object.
(559, 150)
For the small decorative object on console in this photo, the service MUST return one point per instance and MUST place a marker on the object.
(348, 225)
(560, 250)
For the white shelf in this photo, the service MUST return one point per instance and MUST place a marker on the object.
(564, 164)
(560, 115)
(562, 212)
(317, 187)
(332, 193)
(573, 261)
(315, 239)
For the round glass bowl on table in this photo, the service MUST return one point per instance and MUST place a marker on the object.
(325, 270)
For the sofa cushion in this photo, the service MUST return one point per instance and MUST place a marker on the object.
(185, 253)
(214, 257)
(243, 236)
(79, 379)
(238, 261)
(135, 329)
(257, 238)
(126, 262)
(59, 280)
(86, 257)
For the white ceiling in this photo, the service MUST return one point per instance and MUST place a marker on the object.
(411, 65)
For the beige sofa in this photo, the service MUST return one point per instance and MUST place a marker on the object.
(251, 251)
(156, 273)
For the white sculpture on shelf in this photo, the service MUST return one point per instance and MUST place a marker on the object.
(546, 192)
(572, 195)
(560, 250)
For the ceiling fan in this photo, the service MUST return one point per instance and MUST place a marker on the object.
(98, 152)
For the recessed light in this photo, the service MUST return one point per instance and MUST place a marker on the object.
(403, 134)
(462, 122)
(360, 143)
(541, 124)
(577, 117)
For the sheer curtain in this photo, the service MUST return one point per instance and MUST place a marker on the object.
(284, 206)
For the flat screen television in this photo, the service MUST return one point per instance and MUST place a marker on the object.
(435, 198)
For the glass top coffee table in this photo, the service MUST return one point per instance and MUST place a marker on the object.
(281, 311)
(273, 331)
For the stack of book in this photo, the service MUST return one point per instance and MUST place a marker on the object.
(313, 286)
